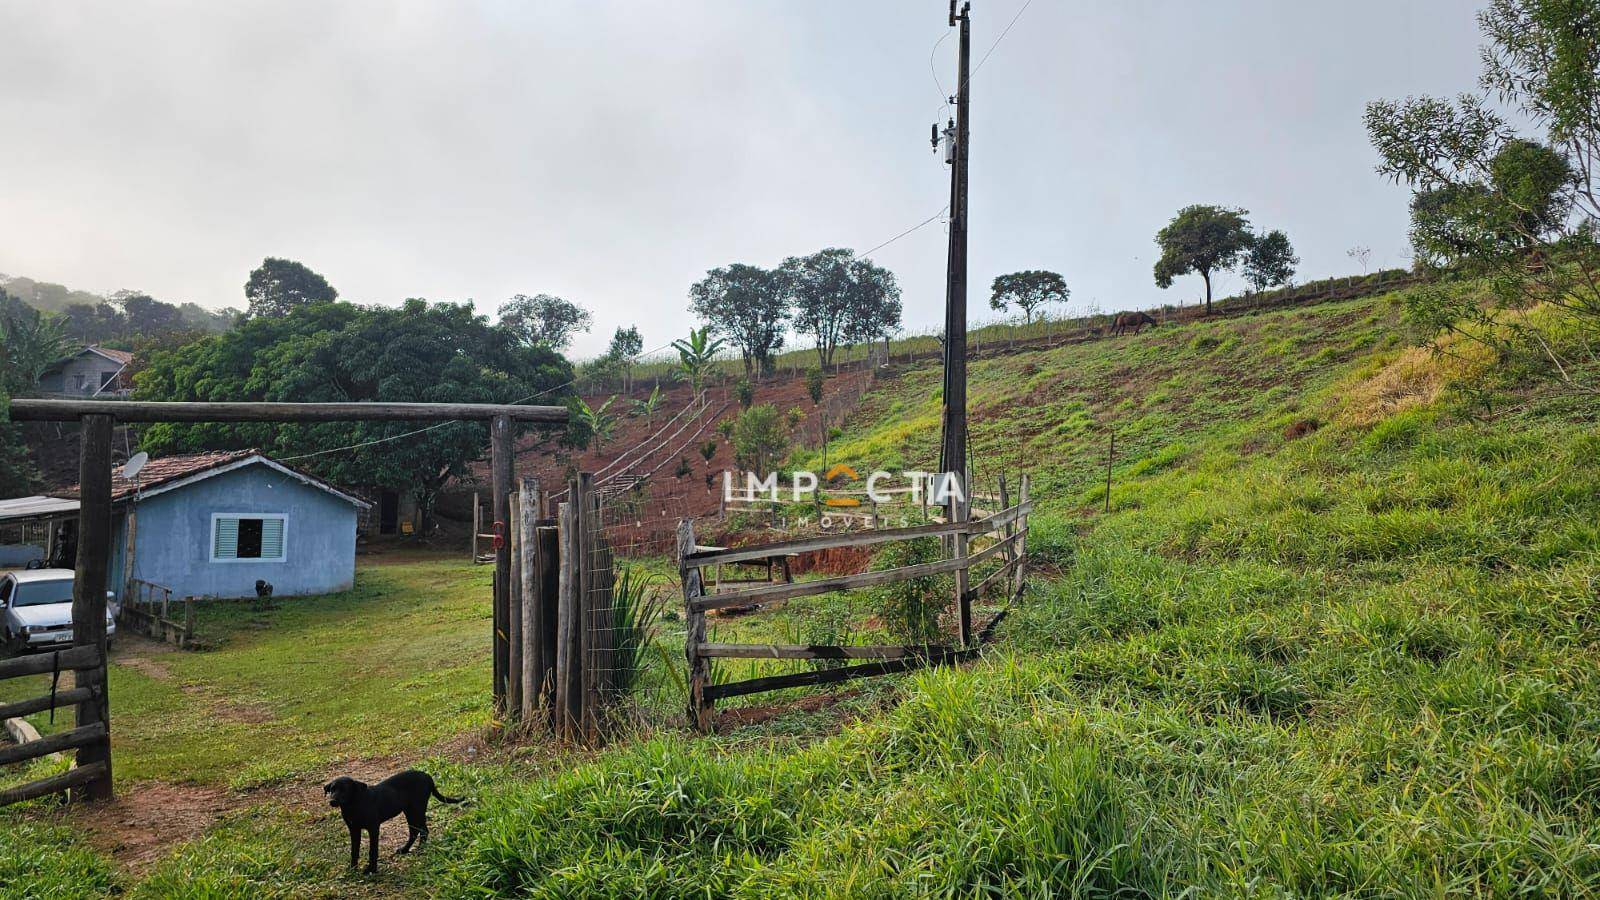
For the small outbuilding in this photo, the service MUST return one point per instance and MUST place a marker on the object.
(90, 372)
(214, 524)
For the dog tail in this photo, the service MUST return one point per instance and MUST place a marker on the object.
(443, 799)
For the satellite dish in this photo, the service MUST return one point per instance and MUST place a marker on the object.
(130, 469)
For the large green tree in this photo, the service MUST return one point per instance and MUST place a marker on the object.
(427, 352)
(1202, 240)
(837, 298)
(1517, 211)
(544, 320)
(749, 306)
(278, 287)
(1028, 291)
(1270, 261)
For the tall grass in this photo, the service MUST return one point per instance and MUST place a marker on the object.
(637, 599)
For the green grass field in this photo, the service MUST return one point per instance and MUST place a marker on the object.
(1356, 658)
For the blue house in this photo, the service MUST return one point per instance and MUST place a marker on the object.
(213, 524)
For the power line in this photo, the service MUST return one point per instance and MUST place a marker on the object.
(902, 234)
(634, 358)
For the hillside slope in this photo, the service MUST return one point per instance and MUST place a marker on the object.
(1354, 659)
(1334, 638)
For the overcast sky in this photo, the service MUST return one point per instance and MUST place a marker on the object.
(611, 152)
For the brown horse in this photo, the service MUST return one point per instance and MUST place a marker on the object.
(1135, 320)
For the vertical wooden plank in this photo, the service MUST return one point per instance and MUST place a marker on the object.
(500, 452)
(514, 611)
(960, 508)
(566, 616)
(586, 523)
(477, 524)
(527, 612)
(127, 552)
(549, 615)
(1017, 574)
(1005, 530)
(699, 669)
(89, 590)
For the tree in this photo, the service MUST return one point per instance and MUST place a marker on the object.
(1270, 261)
(278, 287)
(1493, 204)
(837, 298)
(748, 306)
(1028, 290)
(1201, 240)
(814, 385)
(759, 438)
(544, 320)
(695, 356)
(29, 342)
(17, 474)
(143, 314)
(420, 351)
(626, 345)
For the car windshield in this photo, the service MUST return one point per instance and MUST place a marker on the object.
(39, 593)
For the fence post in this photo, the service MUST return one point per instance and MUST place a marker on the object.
(583, 524)
(566, 699)
(1017, 574)
(960, 507)
(699, 669)
(514, 661)
(89, 592)
(501, 451)
(477, 523)
(531, 630)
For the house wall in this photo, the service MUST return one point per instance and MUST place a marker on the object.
(65, 380)
(172, 535)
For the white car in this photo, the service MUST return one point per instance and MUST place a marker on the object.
(36, 606)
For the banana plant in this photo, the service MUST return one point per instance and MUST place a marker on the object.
(649, 406)
(695, 355)
(600, 421)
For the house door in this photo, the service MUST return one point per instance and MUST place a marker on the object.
(388, 512)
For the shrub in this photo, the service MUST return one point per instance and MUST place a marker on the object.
(794, 417)
(746, 392)
(708, 450)
(759, 438)
(911, 609)
(814, 384)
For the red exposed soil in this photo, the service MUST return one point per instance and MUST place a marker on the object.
(668, 497)
(145, 821)
(740, 716)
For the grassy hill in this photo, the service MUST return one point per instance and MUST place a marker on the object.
(1336, 637)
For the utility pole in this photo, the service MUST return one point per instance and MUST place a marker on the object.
(953, 449)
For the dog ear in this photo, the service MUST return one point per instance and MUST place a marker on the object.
(328, 788)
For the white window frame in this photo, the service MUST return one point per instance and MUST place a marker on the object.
(211, 549)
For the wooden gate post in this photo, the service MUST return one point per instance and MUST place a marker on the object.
(699, 669)
(584, 522)
(500, 451)
(1021, 551)
(89, 592)
(514, 661)
(530, 674)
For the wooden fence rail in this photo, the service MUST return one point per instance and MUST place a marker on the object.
(1007, 527)
(86, 665)
(147, 609)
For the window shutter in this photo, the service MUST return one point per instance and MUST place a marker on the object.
(226, 539)
(272, 539)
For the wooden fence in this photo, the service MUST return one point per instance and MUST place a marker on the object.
(147, 609)
(91, 737)
(1006, 529)
(560, 631)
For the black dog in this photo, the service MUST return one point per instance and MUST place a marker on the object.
(365, 807)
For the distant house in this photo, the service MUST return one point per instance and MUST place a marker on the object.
(91, 372)
(213, 524)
